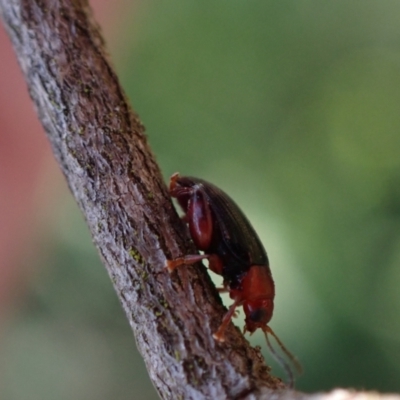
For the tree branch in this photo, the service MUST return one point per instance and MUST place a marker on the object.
(103, 153)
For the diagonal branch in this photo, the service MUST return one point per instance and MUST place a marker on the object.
(103, 153)
(102, 150)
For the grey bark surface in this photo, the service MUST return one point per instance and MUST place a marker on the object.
(103, 153)
(101, 148)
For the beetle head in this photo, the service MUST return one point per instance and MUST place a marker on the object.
(258, 313)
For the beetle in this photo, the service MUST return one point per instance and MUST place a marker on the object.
(233, 249)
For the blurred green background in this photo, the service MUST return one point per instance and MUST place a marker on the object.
(292, 107)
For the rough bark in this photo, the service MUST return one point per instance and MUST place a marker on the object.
(103, 153)
(100, 145)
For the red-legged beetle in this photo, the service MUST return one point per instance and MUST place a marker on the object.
(233, 249)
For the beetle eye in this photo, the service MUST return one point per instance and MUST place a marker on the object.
(257, 315)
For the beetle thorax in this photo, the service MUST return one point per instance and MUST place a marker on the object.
(257, 293)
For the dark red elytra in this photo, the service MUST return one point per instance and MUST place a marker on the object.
(233, 249)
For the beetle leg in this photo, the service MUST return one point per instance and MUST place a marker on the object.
(186, 260)
(172, 182)
(200, 220)
(175, 190)
(215, 264)
(225, 289)
(220, 334)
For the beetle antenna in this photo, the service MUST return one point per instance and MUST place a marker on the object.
(280, 359)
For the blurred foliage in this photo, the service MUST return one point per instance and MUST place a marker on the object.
(292, 108)
(71, 339)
